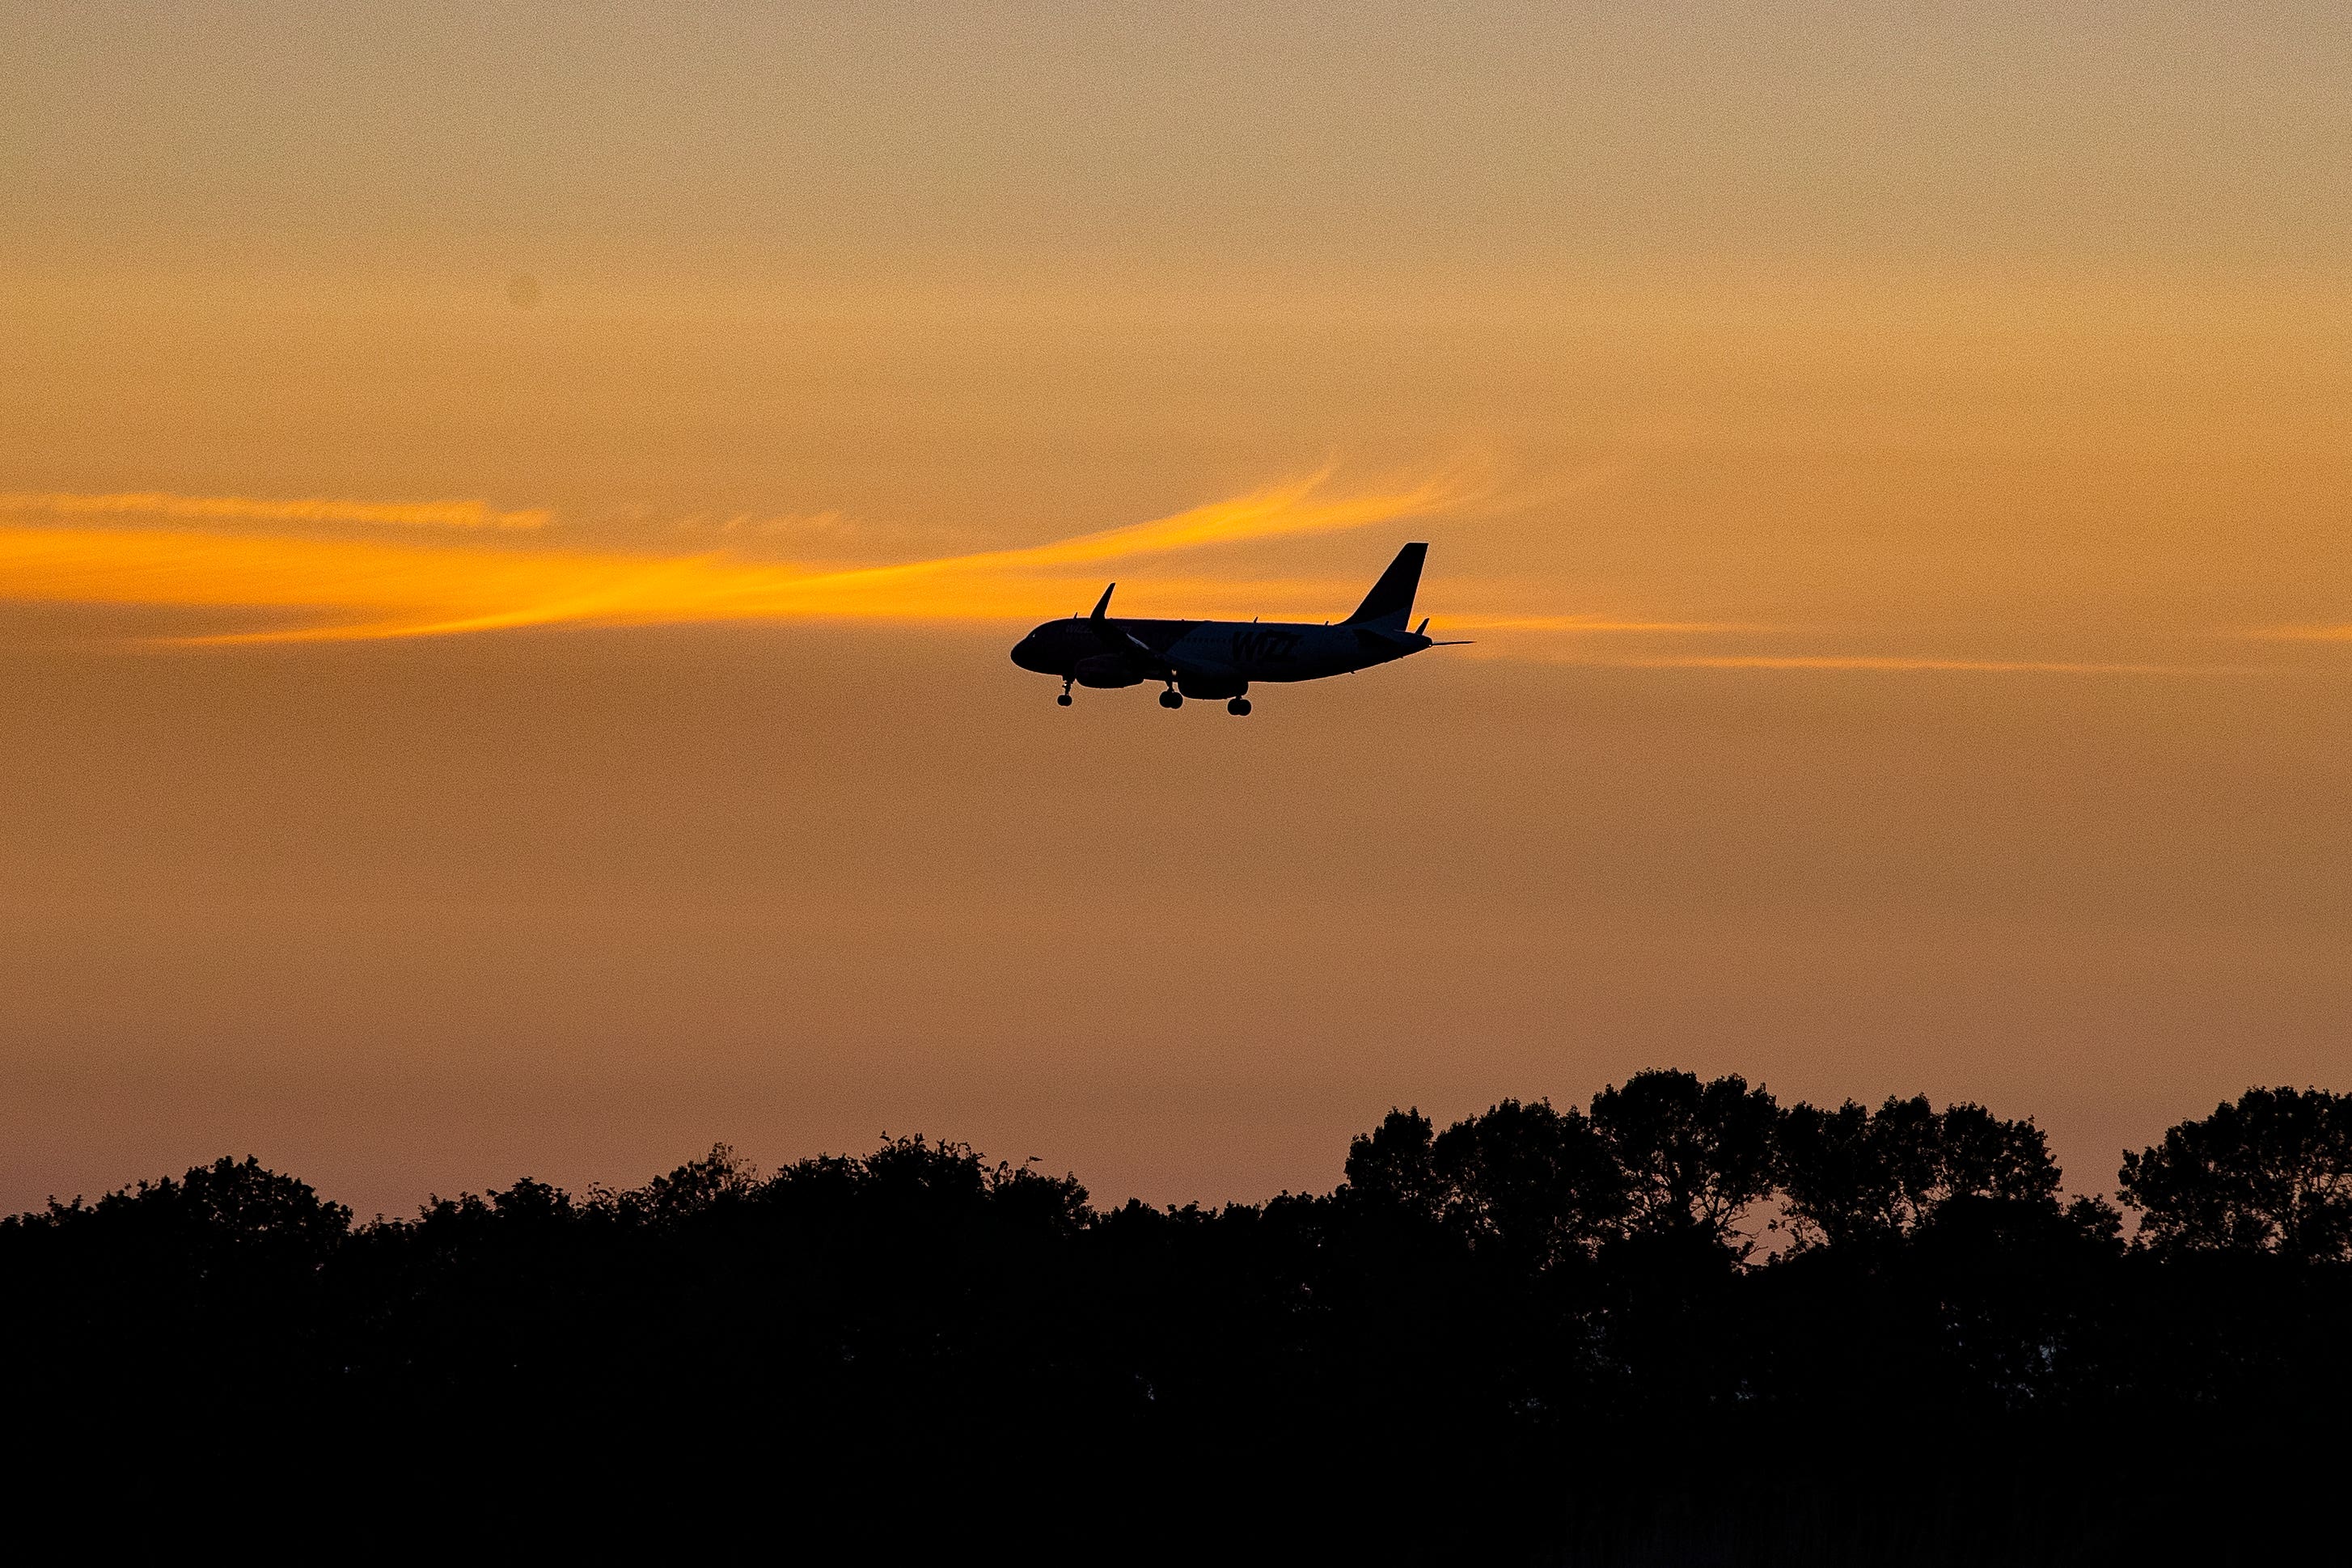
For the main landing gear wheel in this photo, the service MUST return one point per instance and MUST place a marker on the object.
(1238, 706)
(1171, 699)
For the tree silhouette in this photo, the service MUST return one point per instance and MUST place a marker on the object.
(2271, 1173)
(1536, 1183)
(1851, 1176)
(1534, 1336)
(228, 1213)
(1694, 1156)
(694, 1187)
(1395, 1164)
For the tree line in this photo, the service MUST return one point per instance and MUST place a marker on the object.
(1685, 1322)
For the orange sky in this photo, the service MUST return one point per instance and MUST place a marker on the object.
(510, 526)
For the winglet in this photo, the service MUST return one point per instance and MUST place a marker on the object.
(1102, 604)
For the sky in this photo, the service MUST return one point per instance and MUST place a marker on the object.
(511, 520)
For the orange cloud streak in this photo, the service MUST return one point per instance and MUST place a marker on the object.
(1571, 624)
(251, 509)
(1892, 662)
(349, 588)
(2304, 634)
(372, 588)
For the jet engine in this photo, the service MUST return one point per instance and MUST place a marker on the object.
(1107, 670)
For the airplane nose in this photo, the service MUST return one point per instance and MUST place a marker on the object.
(1024, 652)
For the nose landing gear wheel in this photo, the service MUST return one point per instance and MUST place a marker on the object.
(1238, 706)
(1171, 699)
(1062, 701)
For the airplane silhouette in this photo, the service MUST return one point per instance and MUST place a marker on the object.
(1213, 659)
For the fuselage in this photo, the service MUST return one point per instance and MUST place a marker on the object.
(1226, 658)
(1206, 658)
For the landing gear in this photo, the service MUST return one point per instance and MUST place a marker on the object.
(1064, 700)
(1238, 706)
(1171, 698)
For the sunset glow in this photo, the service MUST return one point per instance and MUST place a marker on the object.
(513, 521)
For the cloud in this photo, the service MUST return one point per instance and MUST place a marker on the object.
(1297, 507)
(346, 589)
(1572, 624)
(253, 509)
(263, 577)
(2303, 634)
(1887, 662)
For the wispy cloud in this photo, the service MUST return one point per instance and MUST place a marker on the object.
(1571, 640)
(261, 570)
(256, 509)
(345, 587)
(2303, 633)
(1297, 507)
(1570, 625)
(1887, 662)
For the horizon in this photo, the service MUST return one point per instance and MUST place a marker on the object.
(1754, 1235)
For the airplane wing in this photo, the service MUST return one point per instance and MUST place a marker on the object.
(1162, 665)
(1136, 648)
(1120, 640)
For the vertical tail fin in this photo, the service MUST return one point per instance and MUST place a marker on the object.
(1390, 600)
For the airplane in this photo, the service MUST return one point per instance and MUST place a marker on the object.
(1215, 659)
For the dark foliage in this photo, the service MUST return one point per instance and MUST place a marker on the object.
(1540, 1334)
(1853, 1177)
(2270, 1174)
